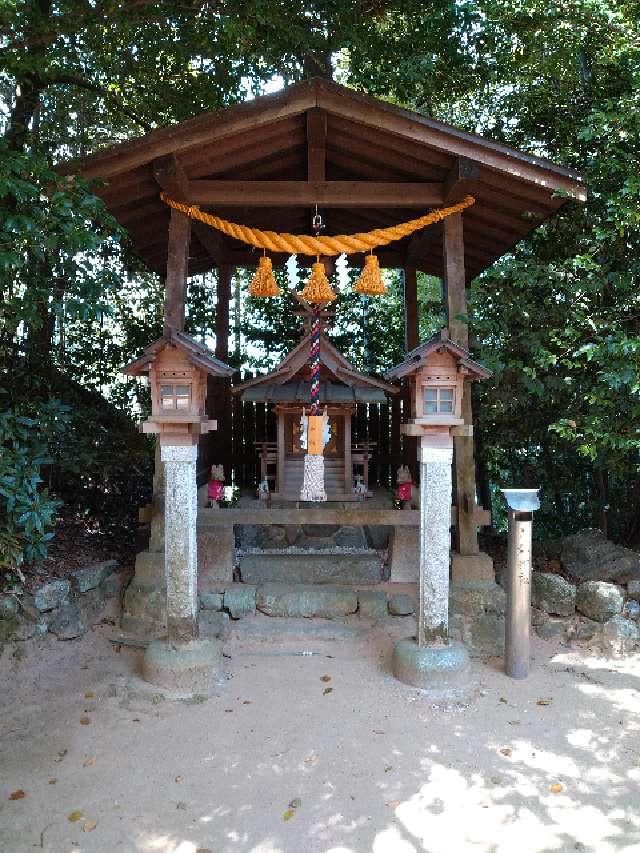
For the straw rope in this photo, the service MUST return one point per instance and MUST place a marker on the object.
(294, 244)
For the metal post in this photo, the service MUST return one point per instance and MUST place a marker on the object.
(522, 503)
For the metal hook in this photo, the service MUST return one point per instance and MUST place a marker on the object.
(317, 222)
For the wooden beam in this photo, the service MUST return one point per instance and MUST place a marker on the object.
(177, 270)
(169, 174)
(461, 180)
(212, 241)
(307, 193)
(411, 320)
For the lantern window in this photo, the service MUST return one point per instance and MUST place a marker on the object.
(438, 401)
(175, 397)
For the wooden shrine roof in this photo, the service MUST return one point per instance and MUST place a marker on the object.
(367, 164)
(439, 342)
(195, 353)
(340, 382)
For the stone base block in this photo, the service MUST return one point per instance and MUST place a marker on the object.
(216, 556)
(476, 616)
(372, 604)
(312, 567)
(183, 669)
(472, 568)
(442, 671)
(404, 555)
(306, 600)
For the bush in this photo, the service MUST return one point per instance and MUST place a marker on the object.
(27, 511)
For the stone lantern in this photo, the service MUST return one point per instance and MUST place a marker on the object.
(437, 371)
(177, 368)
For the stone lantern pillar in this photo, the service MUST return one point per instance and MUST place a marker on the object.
(177, 369)
(439, 368)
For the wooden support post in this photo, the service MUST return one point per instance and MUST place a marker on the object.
(280, 454)
(177, 270)
(225, 274)
(348, 465)
(466, 536)
(411, 327)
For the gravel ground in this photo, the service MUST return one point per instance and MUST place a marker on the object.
(321, 752)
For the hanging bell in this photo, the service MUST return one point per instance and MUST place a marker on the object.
(317, 291)
(263, 283)
(370, 281)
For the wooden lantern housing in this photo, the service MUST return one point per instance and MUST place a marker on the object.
(437, 370)
(177, 368)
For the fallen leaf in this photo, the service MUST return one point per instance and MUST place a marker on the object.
(507, 751)
(556, 788)
(17, 795)
(89, 695)
(547, 701)
(325, 678)
(327, 690)
(288, 814)
(75, 816)
(295, 804)
(89, 762)
(89, 825)
(84, 721)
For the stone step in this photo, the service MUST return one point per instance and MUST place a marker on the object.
(330, 566)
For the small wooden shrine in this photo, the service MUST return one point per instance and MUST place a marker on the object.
(287, 388)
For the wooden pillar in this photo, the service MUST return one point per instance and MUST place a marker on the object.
(177, 270)
(411, 341)
(411, 326)
(225, 274)
(348, 466)
(219, 403)
(466, 535)
(280, 453)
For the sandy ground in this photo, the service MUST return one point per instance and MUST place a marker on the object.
(277, 762)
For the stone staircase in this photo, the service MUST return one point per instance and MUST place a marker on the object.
(308, 554)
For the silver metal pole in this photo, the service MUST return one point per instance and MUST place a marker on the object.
(521, 502)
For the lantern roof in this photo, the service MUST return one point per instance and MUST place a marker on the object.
(441, 342)
(195, 353)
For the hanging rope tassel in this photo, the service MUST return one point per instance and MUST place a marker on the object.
(313, 477)
(317, 291)
(370, 282)
(263, 282)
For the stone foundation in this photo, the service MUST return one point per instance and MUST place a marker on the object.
(476, 618)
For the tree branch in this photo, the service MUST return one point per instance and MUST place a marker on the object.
(82, 83)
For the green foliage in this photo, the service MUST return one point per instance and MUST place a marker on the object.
(27, 511)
